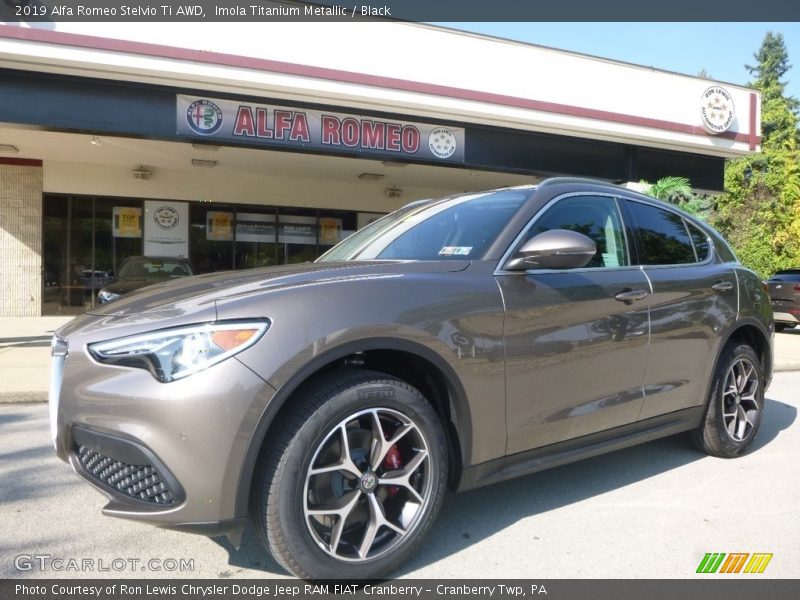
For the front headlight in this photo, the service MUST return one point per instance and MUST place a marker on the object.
(105, 296)
(172, 354)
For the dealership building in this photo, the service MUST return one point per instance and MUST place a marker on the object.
(240, 145)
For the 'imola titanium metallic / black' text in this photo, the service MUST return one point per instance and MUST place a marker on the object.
(451, 344)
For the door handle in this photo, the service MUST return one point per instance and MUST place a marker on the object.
(630, 296)
(722, 286)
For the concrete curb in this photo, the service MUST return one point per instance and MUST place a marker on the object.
(23, 397)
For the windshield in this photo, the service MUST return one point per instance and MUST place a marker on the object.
(451, 229)
(154, 268)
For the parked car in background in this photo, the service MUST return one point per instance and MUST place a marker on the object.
(784, 292)
(454, 343)
(95, 279)
(139, 271)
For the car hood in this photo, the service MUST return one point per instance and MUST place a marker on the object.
(206, 289)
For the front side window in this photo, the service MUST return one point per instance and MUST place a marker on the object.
(663, 236)
(596, 217)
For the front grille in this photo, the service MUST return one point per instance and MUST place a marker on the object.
(137, 481)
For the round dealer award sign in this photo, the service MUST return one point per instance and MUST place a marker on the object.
(717, 110)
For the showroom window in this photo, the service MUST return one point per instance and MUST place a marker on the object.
(86, 239)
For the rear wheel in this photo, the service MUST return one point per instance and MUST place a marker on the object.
(355, 480)
(735, 405)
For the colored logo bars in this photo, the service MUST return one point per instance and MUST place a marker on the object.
(716, 562)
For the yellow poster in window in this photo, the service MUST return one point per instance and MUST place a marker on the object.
(127, 222)
(330, 230)
(219, 226)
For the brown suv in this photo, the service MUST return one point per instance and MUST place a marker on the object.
(451, 344)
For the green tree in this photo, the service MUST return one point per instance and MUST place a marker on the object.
(760, 210)
(678, 191)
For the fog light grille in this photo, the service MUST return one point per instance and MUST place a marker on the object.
(137, 481)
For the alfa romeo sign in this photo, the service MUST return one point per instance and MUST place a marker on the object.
(292, 127)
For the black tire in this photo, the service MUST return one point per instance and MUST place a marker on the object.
(351, 401)
(722, 434)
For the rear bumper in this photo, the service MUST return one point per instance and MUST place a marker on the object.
(785, 317)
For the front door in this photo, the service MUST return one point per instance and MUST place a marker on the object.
(575, 348)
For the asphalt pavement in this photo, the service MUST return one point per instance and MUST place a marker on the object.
(652, 511)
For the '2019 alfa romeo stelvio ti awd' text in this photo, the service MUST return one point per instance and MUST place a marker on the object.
(451, 344)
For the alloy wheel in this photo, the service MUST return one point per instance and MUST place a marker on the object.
(368, 482)
(740, 404)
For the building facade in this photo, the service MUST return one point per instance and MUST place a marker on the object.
(240, 145)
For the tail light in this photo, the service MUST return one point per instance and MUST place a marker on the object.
(797, 288)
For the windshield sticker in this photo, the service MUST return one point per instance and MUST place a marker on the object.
(456, 250)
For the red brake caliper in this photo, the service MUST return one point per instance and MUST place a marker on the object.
(391, 462)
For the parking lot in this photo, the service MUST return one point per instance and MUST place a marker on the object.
(652, 511)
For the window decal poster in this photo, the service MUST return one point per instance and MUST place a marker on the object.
(166, 228)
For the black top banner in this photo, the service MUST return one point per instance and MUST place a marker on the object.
(407, 10)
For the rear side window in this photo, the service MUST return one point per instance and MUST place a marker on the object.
(791, 275)
(663, 235)
(701, 245)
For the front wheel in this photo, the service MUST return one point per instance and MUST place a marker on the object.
(355, 479)
(735, 404)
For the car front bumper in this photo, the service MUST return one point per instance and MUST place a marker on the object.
(167, 454)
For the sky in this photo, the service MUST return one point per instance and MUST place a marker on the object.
(722, 49)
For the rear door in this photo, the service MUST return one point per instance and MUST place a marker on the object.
(694, 298)
(784, 292)
(575, 347)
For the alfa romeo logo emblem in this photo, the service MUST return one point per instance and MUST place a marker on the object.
(368, 481)
(717, 110)
(204, 117)
(442, 142)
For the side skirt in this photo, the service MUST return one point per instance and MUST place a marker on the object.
(562, 453)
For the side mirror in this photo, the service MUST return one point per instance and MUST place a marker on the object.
(554, 249)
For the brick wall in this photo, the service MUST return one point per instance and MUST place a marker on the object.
(20, 237)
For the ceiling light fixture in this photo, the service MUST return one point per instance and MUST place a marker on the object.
(8, 149)
(209, 147)
(142, 173)
(197, 162)
(95, 141)
(393, 192)
(371, 176)
(394, 164)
